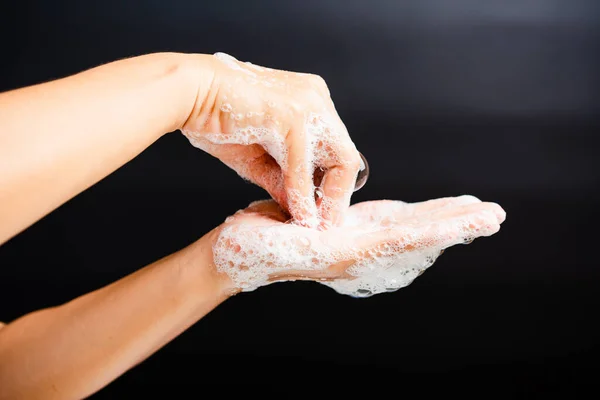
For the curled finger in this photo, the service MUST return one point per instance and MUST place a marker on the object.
(298, 178)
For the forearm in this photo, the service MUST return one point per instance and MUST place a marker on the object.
(73, 350)
(60, 137)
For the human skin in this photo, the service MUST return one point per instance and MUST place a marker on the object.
(75, 349)
(279, 130)
(61, 137)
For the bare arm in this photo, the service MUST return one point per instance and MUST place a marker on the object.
(61, 137)
(71, 351)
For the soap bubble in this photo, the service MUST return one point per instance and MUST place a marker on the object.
(363, 174)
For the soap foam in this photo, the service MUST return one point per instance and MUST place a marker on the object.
(252, 255)
(319, 149)
(257, 122)
(383, 246)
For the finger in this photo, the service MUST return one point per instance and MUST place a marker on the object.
(400, 208)
(370, 211)
(462, 229)
(444, 202)
(461, 210)
(298, 179)
(441, 233)
(389, 212)
(337, 188)
(238, 157)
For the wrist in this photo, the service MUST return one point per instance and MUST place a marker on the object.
(198, 269)
(197, 72)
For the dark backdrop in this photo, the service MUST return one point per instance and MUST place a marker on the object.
(498, 99)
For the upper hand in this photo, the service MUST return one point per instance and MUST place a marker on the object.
(276, 128)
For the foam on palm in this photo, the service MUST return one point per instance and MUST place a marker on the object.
(381, 246)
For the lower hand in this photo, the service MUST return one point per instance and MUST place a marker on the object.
(380, 246)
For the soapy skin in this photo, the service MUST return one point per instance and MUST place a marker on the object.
(381, 246)
(280, 129)
(275, 128)
(87, 125)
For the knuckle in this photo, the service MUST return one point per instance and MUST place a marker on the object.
(317, 80)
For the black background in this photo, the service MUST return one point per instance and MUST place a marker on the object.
(498, 99)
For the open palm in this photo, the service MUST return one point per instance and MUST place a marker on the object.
(381, 245)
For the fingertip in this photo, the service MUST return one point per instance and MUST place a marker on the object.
(333, 210)
(489, 224)
(501, 214)
(498, 212)
(337, 189)
(303, 209)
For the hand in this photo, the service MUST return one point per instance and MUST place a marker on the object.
(381, 245)
(276, 129)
